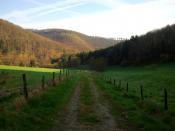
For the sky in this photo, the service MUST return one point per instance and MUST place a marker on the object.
(106, 18)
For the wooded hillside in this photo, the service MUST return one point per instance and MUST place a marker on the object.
(78, 41)
(22, 47)
(153, 47)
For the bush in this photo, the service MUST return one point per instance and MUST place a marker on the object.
(98, 64)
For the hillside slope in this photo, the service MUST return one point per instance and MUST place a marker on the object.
(154, 47)
(75, 40)
(21, 47)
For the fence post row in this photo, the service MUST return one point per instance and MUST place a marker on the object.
(109, 79)
(25, 86)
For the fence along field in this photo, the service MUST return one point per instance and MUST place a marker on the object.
(26, 80)
(146, 83)
(125, 88)
(34, 108)
(146, 93)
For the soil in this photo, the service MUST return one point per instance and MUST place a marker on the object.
(68, 118)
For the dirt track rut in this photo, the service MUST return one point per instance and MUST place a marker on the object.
(68, 119)
(107, 121)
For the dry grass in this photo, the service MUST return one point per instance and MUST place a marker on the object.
(19, 102)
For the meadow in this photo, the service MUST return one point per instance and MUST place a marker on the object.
(38, 112)
(128, 109)
(11, 76)
(147, 114)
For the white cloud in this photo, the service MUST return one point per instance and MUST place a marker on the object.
(123, 21)
(35, 2)
(59, 9)
(42, 9)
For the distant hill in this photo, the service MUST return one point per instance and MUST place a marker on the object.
(157, 46)
(22, 47)
(78, 41)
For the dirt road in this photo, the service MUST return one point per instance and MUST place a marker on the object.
(72, 118)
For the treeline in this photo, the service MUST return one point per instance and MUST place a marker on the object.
(154, 47)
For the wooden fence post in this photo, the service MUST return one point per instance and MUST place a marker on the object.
(43, 82)
(114, 82)
(25, 86)
(60, 71)
(66, 74)
(53, 79)
(127, 87)
(119, 84)
(60, 76)
(63, 71)
(165, 99)
(141, 92)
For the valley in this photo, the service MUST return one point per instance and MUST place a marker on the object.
(87, 65)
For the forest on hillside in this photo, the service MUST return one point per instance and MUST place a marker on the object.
(157, 46)
(25, 48)
(43, 48)
(76, 40)
(21, 47)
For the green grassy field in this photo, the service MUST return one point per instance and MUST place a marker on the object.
(130, 112)
(11, 76)
(150, 114)
(33, 69)
(154, 79)
(39, 112)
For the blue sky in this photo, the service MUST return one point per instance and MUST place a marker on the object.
(107, 18)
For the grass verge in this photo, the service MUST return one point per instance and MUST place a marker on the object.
(39, 112)
(86, 113)
(132, 114)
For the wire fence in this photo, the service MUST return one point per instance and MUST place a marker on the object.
(161, 97)
(26, 88)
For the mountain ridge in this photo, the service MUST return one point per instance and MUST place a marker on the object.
(76, 40)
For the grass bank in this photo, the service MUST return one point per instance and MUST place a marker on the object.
(40, 111)
(149, 114)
